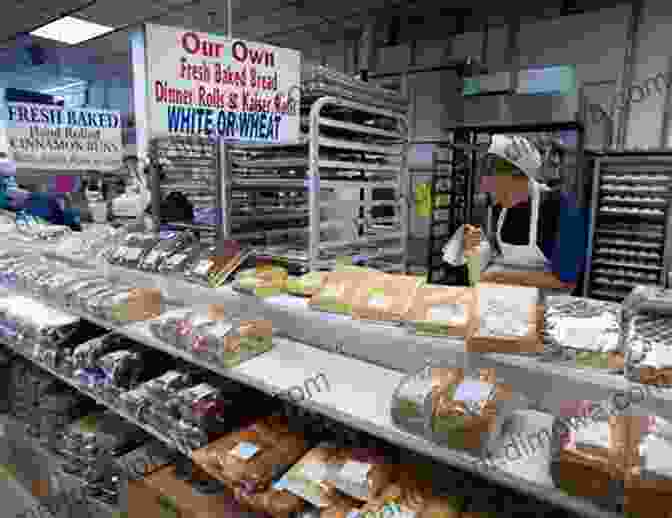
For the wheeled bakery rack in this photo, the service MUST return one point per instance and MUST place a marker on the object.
(452, 190)
(629, 228)
(340, 191)
(189, 165)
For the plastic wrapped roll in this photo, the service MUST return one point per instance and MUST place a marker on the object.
(583, 331)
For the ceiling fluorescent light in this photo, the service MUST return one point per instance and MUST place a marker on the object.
(71, 30)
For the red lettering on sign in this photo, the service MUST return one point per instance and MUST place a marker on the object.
(192, 44)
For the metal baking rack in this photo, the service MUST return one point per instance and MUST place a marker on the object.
(629, 227)
(190, 165)
(452, 179)
(340, 191)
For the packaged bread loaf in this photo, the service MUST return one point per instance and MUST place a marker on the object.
(361, 473)
(506, 319)
(467, 412)
(384, 297)
(251, 459)
(337, 292)
(441, 310)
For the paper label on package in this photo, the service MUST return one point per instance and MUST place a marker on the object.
(132, 254)
(245, 450)
(356, 472)
(203, 267)
(473, 391)
(447, 313)
(176, 259)
(288, 301)
(577, 334)
(281, 484)
(663, 355)
(594, 434)
(314, 471)
(376, 298)
(221, 329)
(329, 292)
(658, 455)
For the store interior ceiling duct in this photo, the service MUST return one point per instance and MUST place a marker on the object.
(71, 30)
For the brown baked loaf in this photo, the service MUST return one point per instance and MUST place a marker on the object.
(277, 447)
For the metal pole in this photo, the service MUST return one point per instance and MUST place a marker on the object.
(229, 19)
(667, 110)
(629, 71)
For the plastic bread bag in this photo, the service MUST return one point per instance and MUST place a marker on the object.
(441, 311)
(170, 244)
(307, 479)
(121, 367)
(467, 412)
(133, 249)
(583, 331)
(306, 285)
(176, 327)
(649, 486)
(38, 323)
(647, 337)
(72, 292)
(197, 269)
(361, 473)
(268, 279)
(382, 297)
(168, 384)
(506, 319)
(177, 262)
(86, 354)
(275, 501)
(252, 459)
(409, 498)
(137, 400)
(337, 292)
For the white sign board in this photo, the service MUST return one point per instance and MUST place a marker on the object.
(205, 84)
(54, 138)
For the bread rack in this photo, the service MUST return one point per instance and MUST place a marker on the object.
(629, 237)
(340, 191)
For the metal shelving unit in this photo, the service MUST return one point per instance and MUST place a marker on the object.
(192, 166)
(341, 190)
(629, 226)
(452, 191)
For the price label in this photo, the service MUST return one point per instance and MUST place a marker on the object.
(245, 450)
(447, 313)
(376, 298)
(356, 472)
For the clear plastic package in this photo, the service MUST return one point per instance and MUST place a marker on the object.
(133, 249)
(177, 262)
(451, 408)
(647, 335)
(361, 473)
(252, 458)
(164, 249)
(583, 331)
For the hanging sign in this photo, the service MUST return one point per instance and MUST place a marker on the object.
(209, 85)
(46, 137)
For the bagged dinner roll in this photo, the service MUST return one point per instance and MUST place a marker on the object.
(441, 310)
(337, 292)
(384, 297)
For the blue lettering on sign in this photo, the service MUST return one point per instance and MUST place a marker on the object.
(220, 123)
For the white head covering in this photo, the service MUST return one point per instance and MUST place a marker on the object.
(520, 152)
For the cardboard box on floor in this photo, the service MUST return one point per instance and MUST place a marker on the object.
(161, 494)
